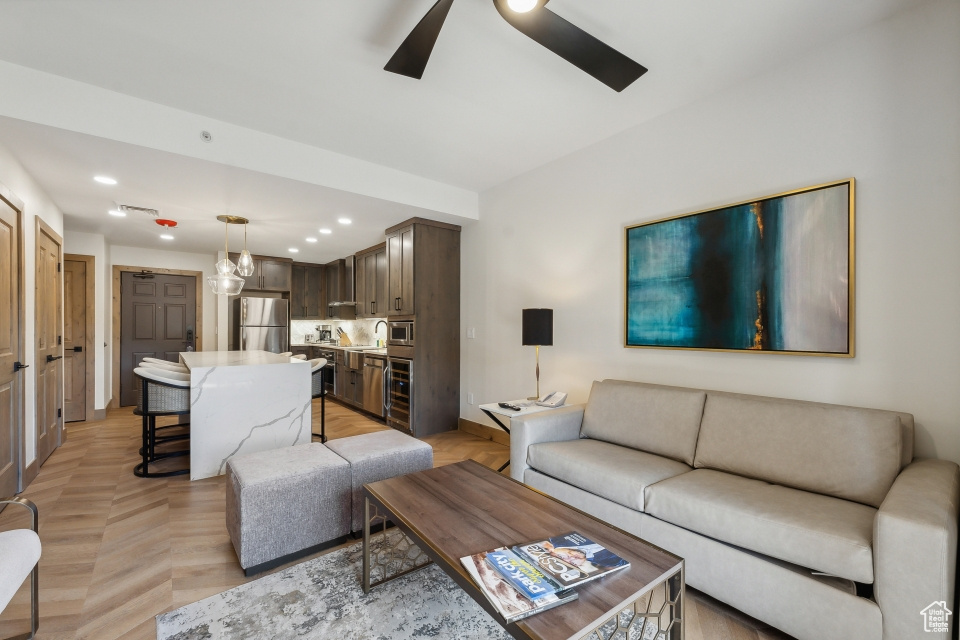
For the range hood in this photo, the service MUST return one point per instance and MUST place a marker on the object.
(349, 289)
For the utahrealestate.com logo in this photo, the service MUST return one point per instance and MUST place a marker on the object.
(936, 617)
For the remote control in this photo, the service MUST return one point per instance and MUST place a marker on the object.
(510, 405)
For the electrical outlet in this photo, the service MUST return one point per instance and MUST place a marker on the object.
(469, 398)
(471, 333)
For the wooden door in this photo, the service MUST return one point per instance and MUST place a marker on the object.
(298, 305)
(275, 274)
(49, 342)
(11, 424)
(380, 297)
(158, 318)
(74, 340)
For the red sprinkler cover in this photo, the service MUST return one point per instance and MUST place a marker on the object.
(170, 224)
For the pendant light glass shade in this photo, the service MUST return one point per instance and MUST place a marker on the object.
(245, 264)
(225, 284)
(226, 267)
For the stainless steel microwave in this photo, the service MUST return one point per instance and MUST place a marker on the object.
(400, 333)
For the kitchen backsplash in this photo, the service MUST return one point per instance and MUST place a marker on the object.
(359, 331)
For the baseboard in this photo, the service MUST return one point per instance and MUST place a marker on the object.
(483, 431)
(30, 473)
(99, 414)
(290, 557)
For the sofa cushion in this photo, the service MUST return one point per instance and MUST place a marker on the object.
(819, 532)
(608, 470)
(845, 452)
(660, 420)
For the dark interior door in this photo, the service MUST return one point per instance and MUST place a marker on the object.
(158, 319)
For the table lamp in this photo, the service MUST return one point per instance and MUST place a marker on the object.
(537, 331)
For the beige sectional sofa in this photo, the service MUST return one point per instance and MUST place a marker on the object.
(813, 518)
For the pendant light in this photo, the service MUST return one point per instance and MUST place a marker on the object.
(245, 264)
(224, 283)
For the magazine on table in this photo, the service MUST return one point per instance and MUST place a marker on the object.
(512, 604)
(571, 559)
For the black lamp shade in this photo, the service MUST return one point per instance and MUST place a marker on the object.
(538, 327)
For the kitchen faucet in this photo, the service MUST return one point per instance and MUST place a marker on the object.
(377, 326)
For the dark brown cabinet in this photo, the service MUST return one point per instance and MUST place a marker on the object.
(269, 274)
(400, 267)
(306, 292)
(372, 282)
(337, 291)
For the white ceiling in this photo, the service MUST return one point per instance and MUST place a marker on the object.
(491, 105)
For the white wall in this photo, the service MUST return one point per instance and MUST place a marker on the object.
(36, 204)
(92, 244)
(881, 105)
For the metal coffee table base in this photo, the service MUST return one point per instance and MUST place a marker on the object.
(390, 560)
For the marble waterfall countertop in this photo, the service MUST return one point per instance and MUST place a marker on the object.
(242, 402)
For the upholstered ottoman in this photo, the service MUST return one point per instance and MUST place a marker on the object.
(378, 456)
(286, 503)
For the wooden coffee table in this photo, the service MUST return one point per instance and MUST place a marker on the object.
(460, 509)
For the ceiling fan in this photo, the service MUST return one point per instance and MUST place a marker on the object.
(541, 25)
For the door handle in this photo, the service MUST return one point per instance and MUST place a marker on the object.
(19, 365)
(78, 349)
(51, 358)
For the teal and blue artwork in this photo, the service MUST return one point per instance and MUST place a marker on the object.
(774, 274)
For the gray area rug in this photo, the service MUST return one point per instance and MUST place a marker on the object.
(322, 598)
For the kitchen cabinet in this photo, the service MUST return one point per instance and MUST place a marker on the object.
(306, 291)
(372, 282)
(400, 271)
(339, 289)
(269, 274)
(423, 264)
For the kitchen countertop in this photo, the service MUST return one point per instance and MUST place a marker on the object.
(365, 348)
(195, 359)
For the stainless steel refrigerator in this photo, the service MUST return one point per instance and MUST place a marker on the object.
(261, 324)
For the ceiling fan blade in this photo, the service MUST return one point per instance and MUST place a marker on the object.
(575, 45)
(412, 56)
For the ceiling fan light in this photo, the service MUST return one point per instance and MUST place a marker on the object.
(245, 266)
(522, 6)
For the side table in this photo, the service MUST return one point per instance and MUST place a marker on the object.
(494, 409)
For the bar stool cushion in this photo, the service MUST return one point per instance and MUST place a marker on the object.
(286, 502)
(19, 552)
(378, 456)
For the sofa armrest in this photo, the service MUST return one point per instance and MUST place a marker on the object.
(915, 546)
(546, 426)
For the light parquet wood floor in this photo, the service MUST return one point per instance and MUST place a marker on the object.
(118, 550)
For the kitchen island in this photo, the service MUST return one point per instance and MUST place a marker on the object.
(242, 402)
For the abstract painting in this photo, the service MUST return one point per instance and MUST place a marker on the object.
(771, 275)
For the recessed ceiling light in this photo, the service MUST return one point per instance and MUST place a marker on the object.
(105, 180)
(118, 213)
(344, 220)
(310, 239)
(166, 236)
(325, 231)
(293, 250)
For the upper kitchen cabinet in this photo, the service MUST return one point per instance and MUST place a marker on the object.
(400, 243)
(340, 304)
(269, 274)
(423, 256)
(306, 293)
(372, 282)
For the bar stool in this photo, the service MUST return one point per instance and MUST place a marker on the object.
(166, 366)
(160, 393)
(286, 353)
(317, 390)
(299, 356)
